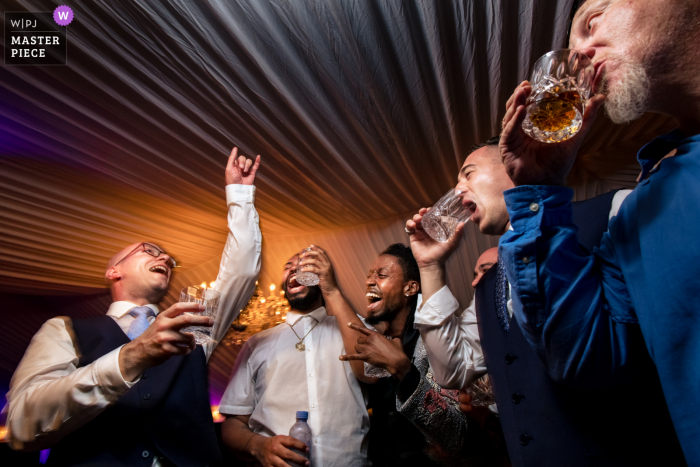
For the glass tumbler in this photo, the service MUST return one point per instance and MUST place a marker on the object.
(210, 299)
(306, 278)
(562, 82)
(442, 219)
(482, 392)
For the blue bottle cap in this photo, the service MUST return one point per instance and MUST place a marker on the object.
(302, 415)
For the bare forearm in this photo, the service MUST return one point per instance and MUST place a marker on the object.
(432, 279)
(131, 362)
(239, 438)
(344, 314)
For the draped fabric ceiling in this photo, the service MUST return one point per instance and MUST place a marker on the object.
(363, 111)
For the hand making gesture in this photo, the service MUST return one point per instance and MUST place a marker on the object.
(240, 170)
(530, 162)
(377, 350)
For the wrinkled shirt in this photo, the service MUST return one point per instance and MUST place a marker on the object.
(587, 315)
(50, 396)
(272, 380)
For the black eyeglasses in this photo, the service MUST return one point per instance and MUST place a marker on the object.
(152, 250)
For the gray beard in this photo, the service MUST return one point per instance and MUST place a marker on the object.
(628, 100)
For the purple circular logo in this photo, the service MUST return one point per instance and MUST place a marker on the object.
(63, 15)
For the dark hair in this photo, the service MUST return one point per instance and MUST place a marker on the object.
(406, 260)
(492, 141)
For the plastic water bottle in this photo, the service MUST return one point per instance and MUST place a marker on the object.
(301, 431)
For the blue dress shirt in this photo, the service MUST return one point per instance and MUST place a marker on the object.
(587, 315)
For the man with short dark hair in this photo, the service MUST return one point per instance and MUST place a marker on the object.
(130, 388)
(583, 312)
(545, 423)
(414, 421)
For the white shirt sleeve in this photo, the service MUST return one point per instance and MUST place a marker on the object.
(451, 340)
(239, 397)
(240, 261)
(50, 397)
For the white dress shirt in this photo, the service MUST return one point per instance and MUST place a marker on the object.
(272, 380)
(452, 339)
(50, 397)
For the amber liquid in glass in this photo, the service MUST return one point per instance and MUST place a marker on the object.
(557, 112)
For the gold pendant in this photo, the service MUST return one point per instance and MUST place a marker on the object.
(300, 346)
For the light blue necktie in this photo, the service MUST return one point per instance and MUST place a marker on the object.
(501, 290)
(140, 324)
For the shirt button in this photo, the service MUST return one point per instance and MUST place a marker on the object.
(146, 396)
(144, 376)
(313, 406)
(510, 358)
(526, 259)
(534, 207)
(525, 440)
(391, 413)
(517, 398)
(145, 454)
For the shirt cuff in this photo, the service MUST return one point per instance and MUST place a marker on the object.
(532, 207)
(235, 410)
(240, 194)
(437, 309)
(108, 375)
(408, 385)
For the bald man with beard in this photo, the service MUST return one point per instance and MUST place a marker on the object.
(130, 388)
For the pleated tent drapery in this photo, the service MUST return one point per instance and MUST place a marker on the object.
(363, 111)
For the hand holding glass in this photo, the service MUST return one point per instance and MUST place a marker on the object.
(306, 278)
(442, 219)
(562, 81)
(210, 299)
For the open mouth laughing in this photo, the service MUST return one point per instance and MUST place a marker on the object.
(374, 300)
(293, 287)
(159, 269)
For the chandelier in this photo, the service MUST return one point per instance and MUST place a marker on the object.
(260, 313)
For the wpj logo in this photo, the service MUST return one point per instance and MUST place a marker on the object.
(37, 38)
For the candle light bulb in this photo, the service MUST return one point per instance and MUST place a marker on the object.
(204, 284)
(272, 287)
(212, 284)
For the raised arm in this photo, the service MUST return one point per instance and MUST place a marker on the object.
(451, 340)
(573, 307)
(317, 261)
(240, 260)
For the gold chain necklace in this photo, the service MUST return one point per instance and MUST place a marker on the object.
(300, 345)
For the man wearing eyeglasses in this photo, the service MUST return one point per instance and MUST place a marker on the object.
(129, 388)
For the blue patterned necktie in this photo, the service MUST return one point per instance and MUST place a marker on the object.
(501, 289)
(140, 324)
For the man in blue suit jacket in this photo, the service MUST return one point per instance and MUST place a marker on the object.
(582, 311)
(544, 423)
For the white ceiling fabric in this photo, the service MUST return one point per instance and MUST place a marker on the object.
(363, 111)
